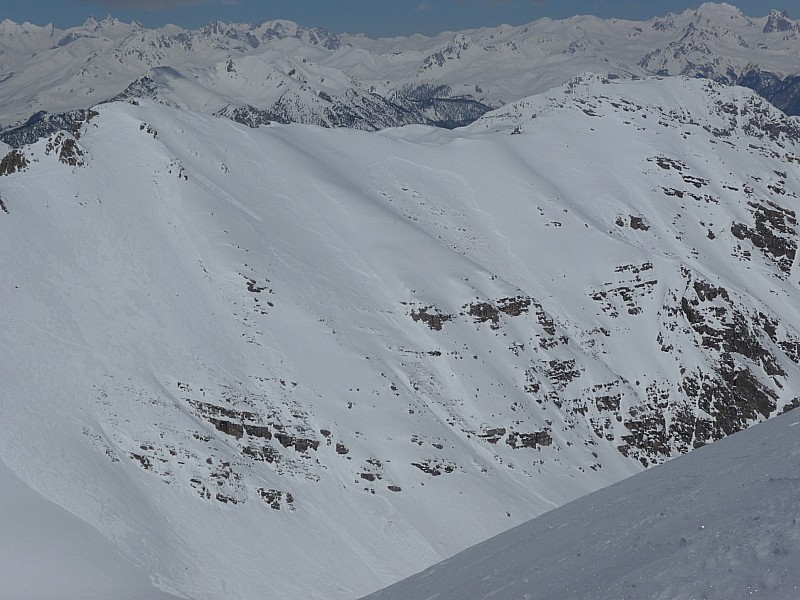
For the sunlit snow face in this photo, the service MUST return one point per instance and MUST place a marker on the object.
(327, 350)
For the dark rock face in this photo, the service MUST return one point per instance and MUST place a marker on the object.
(451, 113)
(12, 162)
(277, 499)
(245, 424)
(299, 444)
(341, 449)
(249, 115)
(435, 466)
(431, 316)
(355, 109)
(630, 294)
(493, 435)
(144, 461)
(729, 396)
(437, 105)
(484, 312)
(514, 307)
(758, 122)
(261, 453)
(778, 22)
(489, 312)
(774, 233)
(69, 153)
(529, 440)
(227, 427)
(43, 124)
(782, 92)
(561, 372)
(141, 87)
(667, 163)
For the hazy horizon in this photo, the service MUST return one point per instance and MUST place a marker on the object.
(375, 19)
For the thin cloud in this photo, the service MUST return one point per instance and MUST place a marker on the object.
(423, 7)
(147, 4)
(503, 2)
(509, 2)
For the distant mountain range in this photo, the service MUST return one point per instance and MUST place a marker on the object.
(281, 71)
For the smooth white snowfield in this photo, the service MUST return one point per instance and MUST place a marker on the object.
(292, 362)
(46, 553)
(722, 522)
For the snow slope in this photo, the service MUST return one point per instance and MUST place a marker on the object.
(722, 522)
(295, 361)
(46, 553)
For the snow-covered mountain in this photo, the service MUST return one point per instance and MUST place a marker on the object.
(281, 71)
(296, 361)
(720, 523)
(276, 69)
(503, 64)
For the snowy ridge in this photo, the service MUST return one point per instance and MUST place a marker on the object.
(312, 76)
(334, 348)
(720, 523)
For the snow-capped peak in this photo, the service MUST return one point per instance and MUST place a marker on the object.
(448, 79)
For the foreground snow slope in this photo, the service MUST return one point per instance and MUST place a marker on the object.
(47, 553)
(299, 362)
(720, 523)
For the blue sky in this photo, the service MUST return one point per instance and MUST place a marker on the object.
(373, 17)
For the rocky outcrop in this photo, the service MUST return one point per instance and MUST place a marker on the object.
(431, 316)
(277, 499)
(774, 232)
(42, 125)
(12, 162)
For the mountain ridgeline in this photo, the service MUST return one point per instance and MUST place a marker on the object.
(283, 72)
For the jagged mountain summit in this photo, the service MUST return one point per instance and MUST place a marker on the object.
(274, 71)
(715, 41)
(720, 523)
(300, 360)
(281, 71)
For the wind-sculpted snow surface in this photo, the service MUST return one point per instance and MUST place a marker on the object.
(296, 362)
(720, 523)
